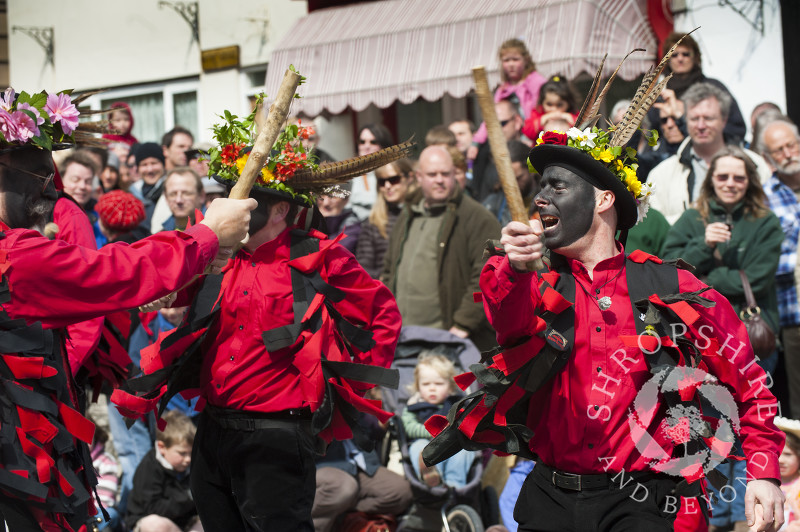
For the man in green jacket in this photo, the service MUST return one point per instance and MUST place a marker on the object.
(435, 253)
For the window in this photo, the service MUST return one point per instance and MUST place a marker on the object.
(156, 108)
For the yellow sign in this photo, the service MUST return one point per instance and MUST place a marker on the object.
(219, 58)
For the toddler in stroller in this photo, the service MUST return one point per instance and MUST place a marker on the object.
(433, 393)
(464, 508)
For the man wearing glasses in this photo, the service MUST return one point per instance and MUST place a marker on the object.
(484, 180)
(780, 144)
(678, 179)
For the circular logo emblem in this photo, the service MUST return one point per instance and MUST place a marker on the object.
(683, 424)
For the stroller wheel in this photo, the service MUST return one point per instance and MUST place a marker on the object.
(463, 518)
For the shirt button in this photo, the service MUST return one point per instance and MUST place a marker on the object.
(599, 369)
(232, 361)
(597, 291)
(253, 264)
(598, 329)
(596, 408)
(219, 386)
(441, 244)
(241, 327)
(245, 292)
(591, 446)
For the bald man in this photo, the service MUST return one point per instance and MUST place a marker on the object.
(436, 253)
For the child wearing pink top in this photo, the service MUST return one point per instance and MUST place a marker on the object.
(520, 84)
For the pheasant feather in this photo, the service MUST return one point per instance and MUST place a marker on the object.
(589, 102)
(593, 115)
(645, 96)
(330, 174)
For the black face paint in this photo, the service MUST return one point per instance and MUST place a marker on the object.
(566, 207)
(259, 217)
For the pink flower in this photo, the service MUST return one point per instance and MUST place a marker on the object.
(34, 110)
(26, 126)
(7, 126)
(61, 109)
(7, 99)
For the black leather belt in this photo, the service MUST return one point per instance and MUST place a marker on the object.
(570, 481)
(244, 420)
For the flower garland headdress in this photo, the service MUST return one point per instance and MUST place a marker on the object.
(48, 121)
(607, 147)
(288, 171)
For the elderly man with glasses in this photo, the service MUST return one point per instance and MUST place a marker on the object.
(780, 144)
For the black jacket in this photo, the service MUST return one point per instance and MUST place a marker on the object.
(160, 491)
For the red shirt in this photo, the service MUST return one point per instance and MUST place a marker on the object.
(74, 228)
(60, 284)
(581, 420)
(239, 373)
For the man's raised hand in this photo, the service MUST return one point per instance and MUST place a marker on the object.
(522, 243)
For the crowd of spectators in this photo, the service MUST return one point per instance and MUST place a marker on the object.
(729, 208)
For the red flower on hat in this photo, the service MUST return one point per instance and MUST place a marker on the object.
(554, 137)
(230, 153)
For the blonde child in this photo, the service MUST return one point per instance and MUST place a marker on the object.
(520, 85)
(434, 393)
(161, 500)
(555, 109)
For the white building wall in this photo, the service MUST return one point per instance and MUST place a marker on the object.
(111, 43)
(748, 63)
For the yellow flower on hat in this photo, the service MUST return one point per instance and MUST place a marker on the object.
(605, 155)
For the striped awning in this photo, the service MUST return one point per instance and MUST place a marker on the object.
(383, 51)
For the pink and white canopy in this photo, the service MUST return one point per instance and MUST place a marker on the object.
(379, 52)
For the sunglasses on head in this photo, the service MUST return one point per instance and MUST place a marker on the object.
(46, 179)
(393, 180)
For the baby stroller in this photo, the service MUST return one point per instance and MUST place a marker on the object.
(442, 507)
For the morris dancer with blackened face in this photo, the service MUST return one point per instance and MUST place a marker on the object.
(610, 363)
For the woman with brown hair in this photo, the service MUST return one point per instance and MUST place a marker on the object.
(729, 229)
(394, 182)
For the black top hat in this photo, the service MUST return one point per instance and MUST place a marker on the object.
(263, 192)
(590, 170)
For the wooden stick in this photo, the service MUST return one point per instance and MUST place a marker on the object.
(502, 160)
(278, 112)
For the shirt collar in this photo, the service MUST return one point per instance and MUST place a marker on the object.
(611, 264)
(272, 249)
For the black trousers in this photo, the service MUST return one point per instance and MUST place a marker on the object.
(626, 505)
(258, 478)
(17, 516)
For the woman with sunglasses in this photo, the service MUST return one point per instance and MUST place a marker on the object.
(686, 68)
(371, 138)
(729, 229)
(394, 182)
